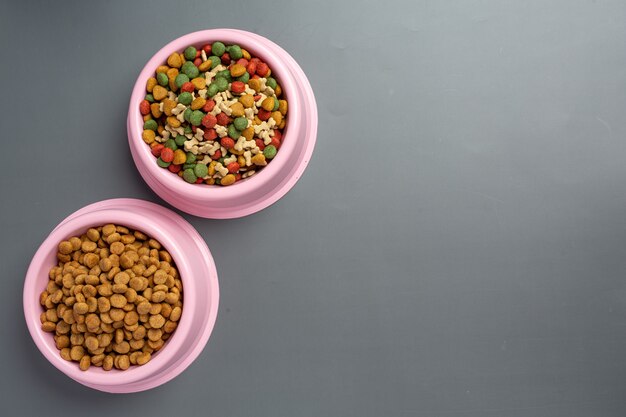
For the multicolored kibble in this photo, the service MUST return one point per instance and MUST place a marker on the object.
(213, 114)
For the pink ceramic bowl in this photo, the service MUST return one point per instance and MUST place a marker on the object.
(200, 292)
(269, 184)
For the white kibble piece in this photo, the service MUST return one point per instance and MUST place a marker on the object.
(178, 109)
(221, 130)
(248, 157)
(202, 93)
(221, 169)
(203, 55)
(239, 143)
(249, 113)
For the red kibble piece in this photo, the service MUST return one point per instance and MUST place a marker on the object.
(233, 167)
(174, 168)
(227, 142)
(225, 59)
(208, 106)
(193, 129)
(251, 68)
(156, 150)
(275, 142)
(209, 121)
(278, 134)
(188, 87)
(167, 155)
(199, 181)
(210, 134)
(198, 53)
(197, 61)
(264, 114)
(257, 97)
(144, 107)
(237, 87)
(260, 143)
(255, 60)
(223, 119)
(255, 77)
(262, 69)
(243, 62)
(217, 155)
(237, 177)
(207, 48)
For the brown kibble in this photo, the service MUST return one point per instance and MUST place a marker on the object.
(143, 358)
(107, 363)
(143, 307)
(88, 246)
(117, 314)
(92, 321)
(136, 283)
(176, 313)
(65, 247)
(121, 278)
(126, 261)
(81, 308)
(48, 326)
(117, 247)
(62, 341)
(113, 237)
(157, 321)
(131, 318)
(77, 352)
(122, 347)
(65, 354)
(91, 343)
(93, 235)
(123, 362)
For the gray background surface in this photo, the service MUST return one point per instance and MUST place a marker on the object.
(455, 248)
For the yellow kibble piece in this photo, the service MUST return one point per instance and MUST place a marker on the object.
(210, 181)
(241, 161)
(162, 68)
(173, 121)
(147, 117)
(277, 116)
(197, 103)
(155, 109)
(228, 180)
(268, 104)
(160, 129)
(236, 109)
(235, 151)
(205, 66)
(245, 54)
(278, 91)
(150, 84)
(174, 60)
(172, 85)
(199, 83)
(179, 157)
(237, 70)
(171, 73)
(282, 107)
(159, 93)
(212, 167)
(148, 136)
(248, 133)
(247, 100)
(259, 159)
(168, 106)
(254, 84)
(257, 121)
(282, 124)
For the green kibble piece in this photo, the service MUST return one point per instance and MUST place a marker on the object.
(201, 170)
(191, 158)
(221, 160)
(270, 82)
(240, 123)
(233, 132)
(196, 117)
(188, 166)
(212, 90)
(180, 140)
(235, 52)
(171, 143)
(190, 53)
(221, 83)
(162, 163)
(150, 125)
(217, 181)
(215, 61)
(185, 98)
(180, 80)
(218, 48)
(190, 70)
(150, 98)
(269, 151)
(224, 74)
(187, 128)
(187, 114)
(244, 78)
(189, 176)
(162, 78)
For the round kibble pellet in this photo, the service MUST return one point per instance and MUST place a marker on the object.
(109, 285)
(183, 95)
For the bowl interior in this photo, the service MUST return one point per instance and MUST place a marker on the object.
(279, 72)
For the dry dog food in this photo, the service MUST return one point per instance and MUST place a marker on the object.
(113, 299)
(213, 114)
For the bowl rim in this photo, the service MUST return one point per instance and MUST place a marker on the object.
(292, 127)
(78, 224)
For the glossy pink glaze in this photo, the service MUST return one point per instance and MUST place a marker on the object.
(269, 184)
(200, 292)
